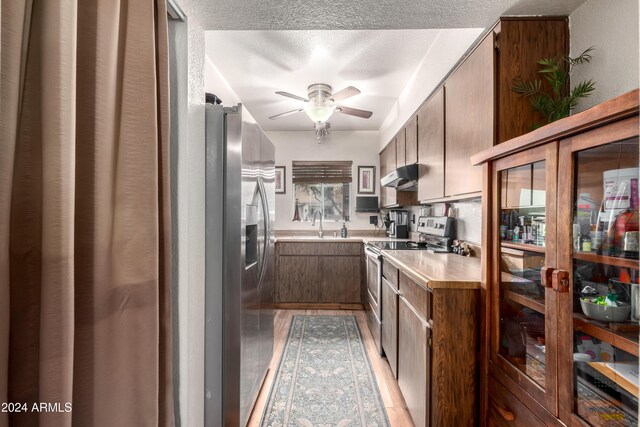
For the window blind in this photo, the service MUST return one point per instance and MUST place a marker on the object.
(314, 172)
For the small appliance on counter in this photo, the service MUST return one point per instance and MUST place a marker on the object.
(399, 224)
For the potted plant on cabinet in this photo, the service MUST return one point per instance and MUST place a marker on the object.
(556, 101)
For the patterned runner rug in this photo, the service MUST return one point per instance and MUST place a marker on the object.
(324, 378)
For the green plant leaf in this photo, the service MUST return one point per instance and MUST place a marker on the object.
(583, 58)
(558, 99)
(583, 89)
(527, 88)
(542, 103)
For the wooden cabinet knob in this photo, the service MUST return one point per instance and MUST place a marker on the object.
(561, 281)
(505, 413)
(546, 276)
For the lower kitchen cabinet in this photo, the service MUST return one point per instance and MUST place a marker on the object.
(340, 279)
(506, 410)
(390, 324)
(318, 273)
(437, 344)
(297, 279)
(414, 365)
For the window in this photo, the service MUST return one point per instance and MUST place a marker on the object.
(324, 187)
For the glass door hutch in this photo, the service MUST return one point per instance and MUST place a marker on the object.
(563, 278)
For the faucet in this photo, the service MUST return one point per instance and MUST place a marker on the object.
(313, 224)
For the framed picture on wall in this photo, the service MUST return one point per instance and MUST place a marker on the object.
(366, 179)
(281, 179)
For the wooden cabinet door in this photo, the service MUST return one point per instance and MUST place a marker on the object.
(431, 147)
(390, 196)
(297, 279)
(340, 279)
(391, 156)
(469, 113)
(401, 145)
(506, 410)
(411, 141)
(601, 164)
(390, 325)
(524, 312)
(414, 362)
(383, 172)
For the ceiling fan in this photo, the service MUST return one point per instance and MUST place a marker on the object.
(322, 103)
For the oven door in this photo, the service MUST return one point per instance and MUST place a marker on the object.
(372, 305)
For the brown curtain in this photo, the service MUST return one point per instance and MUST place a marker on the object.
(85, 304)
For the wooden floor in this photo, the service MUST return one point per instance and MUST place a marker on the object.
(391, 396)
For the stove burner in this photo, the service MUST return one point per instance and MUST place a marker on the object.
(408, 245)
(417, 244)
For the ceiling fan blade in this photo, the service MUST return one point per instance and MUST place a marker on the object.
(290, 95)
(345, 93)
(354, 112)
(277, 116)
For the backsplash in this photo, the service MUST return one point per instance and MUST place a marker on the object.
(468, 215)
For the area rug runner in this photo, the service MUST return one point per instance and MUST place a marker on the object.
(324, 378)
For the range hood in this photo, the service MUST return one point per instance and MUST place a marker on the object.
(404, 178)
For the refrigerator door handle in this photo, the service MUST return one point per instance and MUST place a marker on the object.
(267, 230)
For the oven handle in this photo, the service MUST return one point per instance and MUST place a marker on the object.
(371, 254)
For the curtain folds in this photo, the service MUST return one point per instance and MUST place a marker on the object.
(85, 304)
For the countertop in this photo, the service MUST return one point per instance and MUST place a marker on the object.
(430, 270)
(437, 271)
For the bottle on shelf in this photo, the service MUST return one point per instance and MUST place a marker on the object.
(580, 239)
(343, 231)
(586, 243)
(576, 237)
(596, 239)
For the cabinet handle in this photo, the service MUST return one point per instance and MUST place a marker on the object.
(505, 413)
(546, 276)
(560, 281)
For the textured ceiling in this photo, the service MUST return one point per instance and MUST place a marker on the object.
(256, 64)
(368, 14)
(375, 45)
(352, 15)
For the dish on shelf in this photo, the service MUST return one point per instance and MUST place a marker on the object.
(605, 313)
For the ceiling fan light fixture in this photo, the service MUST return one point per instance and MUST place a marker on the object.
(321, 103)
(318, 112)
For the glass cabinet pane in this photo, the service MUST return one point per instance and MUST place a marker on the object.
(522, 250)
(605, 284)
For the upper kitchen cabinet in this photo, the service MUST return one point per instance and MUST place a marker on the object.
(469, 116)
(431, 147)
(481, 108)
(388, 164)
(411, 141)
(401, 145)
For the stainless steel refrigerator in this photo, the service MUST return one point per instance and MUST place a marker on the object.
(240, 200)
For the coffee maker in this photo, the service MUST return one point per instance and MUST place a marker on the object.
(398, 224)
